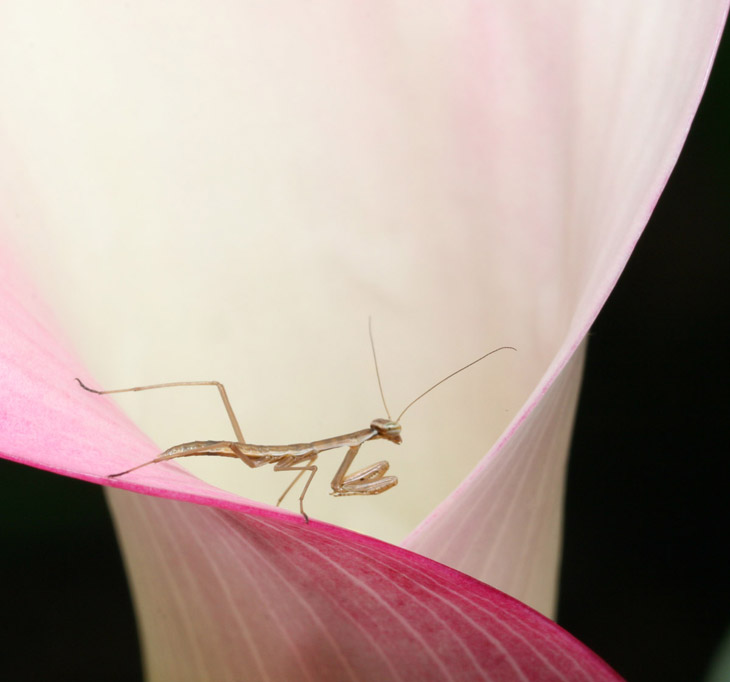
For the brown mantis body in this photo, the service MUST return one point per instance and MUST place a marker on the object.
(300, 457)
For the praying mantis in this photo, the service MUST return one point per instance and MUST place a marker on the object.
(300, 457)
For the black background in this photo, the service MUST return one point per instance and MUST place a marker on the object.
(646, 569)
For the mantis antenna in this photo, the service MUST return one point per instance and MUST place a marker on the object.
(377, 371)
(438, 383)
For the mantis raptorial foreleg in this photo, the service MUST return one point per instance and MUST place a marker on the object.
(367, 481)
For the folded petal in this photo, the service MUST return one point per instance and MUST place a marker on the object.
(471, 174)
(224, 587)
(602, 101)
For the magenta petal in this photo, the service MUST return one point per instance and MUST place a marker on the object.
(282, 600)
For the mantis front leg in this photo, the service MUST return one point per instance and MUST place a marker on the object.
(367, 481)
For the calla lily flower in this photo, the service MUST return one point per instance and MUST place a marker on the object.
(229, 195)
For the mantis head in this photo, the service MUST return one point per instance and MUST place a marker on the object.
(387, 429)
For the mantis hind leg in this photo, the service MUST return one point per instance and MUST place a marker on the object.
(217, 384)
(192, 449)
(286, 465)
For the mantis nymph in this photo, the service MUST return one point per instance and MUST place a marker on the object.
(299, 457)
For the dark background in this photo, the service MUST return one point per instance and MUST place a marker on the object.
(646, 570)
